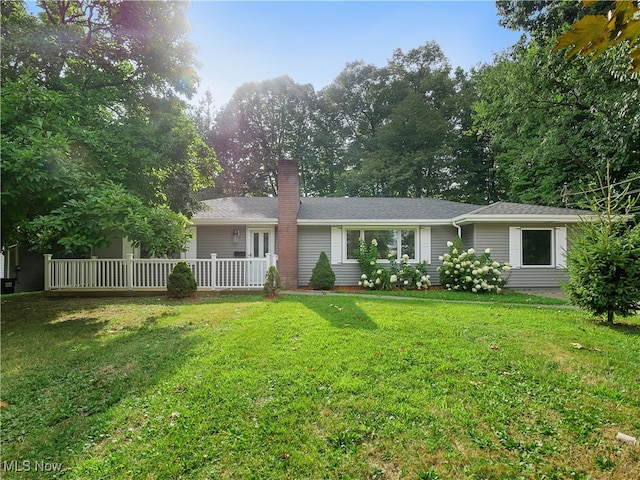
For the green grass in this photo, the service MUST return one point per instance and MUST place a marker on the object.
(316, 387)
(506, 296)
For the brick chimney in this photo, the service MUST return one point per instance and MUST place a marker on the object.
(288, 205)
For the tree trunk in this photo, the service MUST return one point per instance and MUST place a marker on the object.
(610, 316)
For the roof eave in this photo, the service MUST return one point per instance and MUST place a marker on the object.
(374, 222)
(517, 218)
(236, 221)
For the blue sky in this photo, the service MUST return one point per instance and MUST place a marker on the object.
(312, 42)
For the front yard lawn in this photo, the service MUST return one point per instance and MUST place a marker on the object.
(314, 387)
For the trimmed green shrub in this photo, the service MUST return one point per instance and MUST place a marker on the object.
(272, 284)
(181, 282)
(323, 276)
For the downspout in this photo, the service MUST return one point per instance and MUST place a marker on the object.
(453, 222)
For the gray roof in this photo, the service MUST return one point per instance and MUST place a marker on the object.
(239, 209)
(376, 208)
(265, 209)
(506, 208)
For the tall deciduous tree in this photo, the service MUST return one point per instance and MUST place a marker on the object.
(92, 98)
(262, 124)
(553, 122)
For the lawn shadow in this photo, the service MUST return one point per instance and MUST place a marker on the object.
(622, 326)
(65, 378)
(339, 311)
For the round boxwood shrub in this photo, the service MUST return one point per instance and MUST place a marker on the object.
(181, 281)
(323, 276)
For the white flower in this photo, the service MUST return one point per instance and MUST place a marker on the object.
(474, 273)
(379, 271)
(485, 269)
(363, 276)
(447, 272)
(374, 242)
(487, 250)
(447, 256)
(467, 279)
(455, 251)
(471, 251)
(365, 283)
(441, 258)
(377, 281)
(372, 262)
(458, 266)
(449, 244)
(406, 282)
(359, 284)
(495, 264)
(474, 290)
(393, 278)
(506, 268)
(405, 257)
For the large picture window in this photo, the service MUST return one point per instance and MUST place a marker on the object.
(390, 242)
(537, 247)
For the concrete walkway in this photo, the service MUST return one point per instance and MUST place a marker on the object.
(540, 292)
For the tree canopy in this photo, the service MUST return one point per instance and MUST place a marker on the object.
(397, 130)
(93, 105)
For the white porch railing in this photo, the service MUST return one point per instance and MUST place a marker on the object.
(152, 274)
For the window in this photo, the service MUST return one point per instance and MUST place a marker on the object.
(537, 247)
(390, 242)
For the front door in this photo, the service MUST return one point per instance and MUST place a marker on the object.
(260, 243)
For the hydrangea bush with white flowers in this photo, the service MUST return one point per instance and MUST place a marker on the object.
(466, 271)
(399, 275)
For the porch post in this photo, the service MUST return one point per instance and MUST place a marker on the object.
(47, 271)
(129, 270)
(214, 280)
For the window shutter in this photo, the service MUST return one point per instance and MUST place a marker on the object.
(515, 247)
(336, 245)
(425, 244)
(192, 245)
(561, 247)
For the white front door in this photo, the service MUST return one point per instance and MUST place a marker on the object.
(260, 241)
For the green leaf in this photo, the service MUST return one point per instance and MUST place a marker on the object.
(582, 33)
